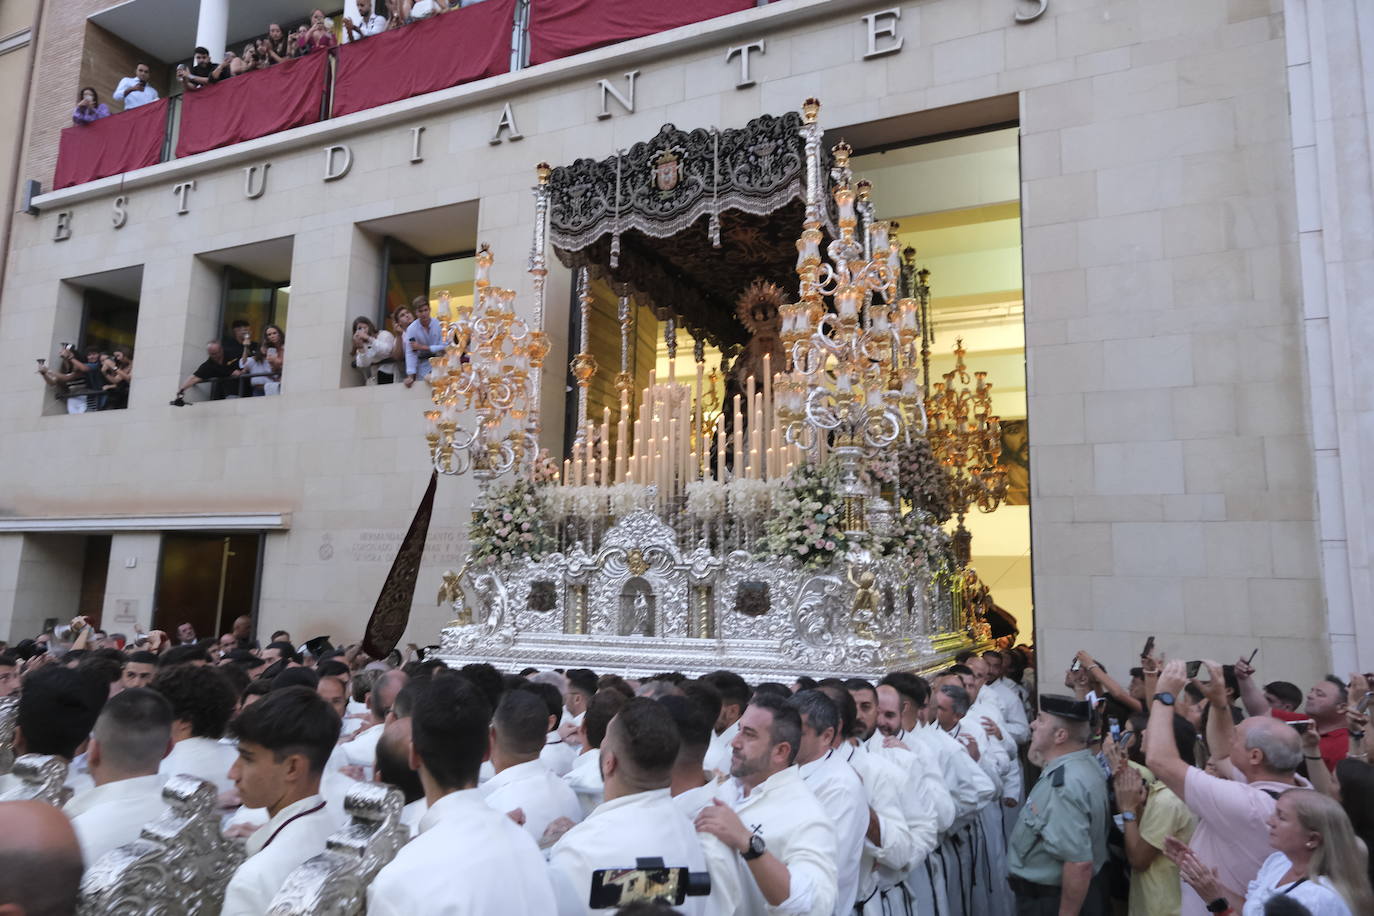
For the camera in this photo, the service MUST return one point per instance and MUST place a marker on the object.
(649, 881)
(178, 401)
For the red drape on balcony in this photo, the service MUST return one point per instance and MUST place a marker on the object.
(561, 28)
(253, 104)
(120, 143)
(459, 46)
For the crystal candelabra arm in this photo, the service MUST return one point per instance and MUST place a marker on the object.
(881, 429)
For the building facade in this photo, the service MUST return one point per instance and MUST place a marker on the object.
(1192, 184)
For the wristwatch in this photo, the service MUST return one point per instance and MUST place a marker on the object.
(1165, 697)
(756, 848)
(1219, 905)
(1127, 815)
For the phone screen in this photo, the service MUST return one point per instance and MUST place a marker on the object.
(1149, 648)
(1193, 668)
(614, 887)
(1076, 666)
(1364, 702)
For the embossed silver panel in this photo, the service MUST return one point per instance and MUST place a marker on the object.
(41, 778)
(180, 866)
(9, 717)
(808, 626)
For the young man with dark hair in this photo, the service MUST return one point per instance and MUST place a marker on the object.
(277, 651)
(139, 669)
(695, 713)
(463, 843)
(557, 754)
(284, 740)
(132, 735)
(585, 775)
(57, 709)
(581, 689)
(638, 817)
(522, 783)
(202, 702)
(9, 673)
(734, 697)
(788, 844)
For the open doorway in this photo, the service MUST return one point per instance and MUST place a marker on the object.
(207, 580)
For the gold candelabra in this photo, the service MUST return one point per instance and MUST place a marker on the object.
(490, 357)
(966, 437)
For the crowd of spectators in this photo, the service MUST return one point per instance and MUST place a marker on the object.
(1185, 788)
(98, 380)
(239, 366)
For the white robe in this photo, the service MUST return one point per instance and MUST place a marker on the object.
(841, 793)
(615, 835)
(718, 754)
(204, 758)
(113, 814)
(692, 801)
(557, 755)
(1010, 702)
(275, 851)
(585, 779)
(534, 790)
(796, 830)
(467, 861)
(930, 811)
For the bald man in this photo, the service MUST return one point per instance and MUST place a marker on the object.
(40, 861)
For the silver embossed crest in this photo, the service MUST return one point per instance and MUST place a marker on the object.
(41, 778)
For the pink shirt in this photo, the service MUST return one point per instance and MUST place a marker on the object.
(1232, 833)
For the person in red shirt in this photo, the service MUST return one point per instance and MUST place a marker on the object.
(1324, 708)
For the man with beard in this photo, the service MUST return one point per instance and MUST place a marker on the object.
(1060, 840)
(768, 815)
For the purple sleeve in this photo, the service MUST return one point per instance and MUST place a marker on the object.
(84, 115)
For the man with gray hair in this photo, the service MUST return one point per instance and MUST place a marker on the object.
(132, 735)
(1231, 834)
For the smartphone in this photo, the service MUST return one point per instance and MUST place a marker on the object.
(1149, 648)
(1077, 665)
(1251, 660)
(616, 887)
(1193, 668)
(1364, 702)
(1114, 727)
(1301, 725)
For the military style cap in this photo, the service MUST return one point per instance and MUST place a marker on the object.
(1065, 707)
(318, 646)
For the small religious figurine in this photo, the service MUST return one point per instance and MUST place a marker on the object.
(451, 592)
(865, 606)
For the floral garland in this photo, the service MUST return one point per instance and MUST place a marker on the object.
(508, 527)
(806, 518)
(918, 538)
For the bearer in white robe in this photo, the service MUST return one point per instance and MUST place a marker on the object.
(284, 741)
(133, 733)
(734, 697)
(1007, 694)
(522, 783)
(837, 787)
(202, 702)
(468, 859)
(768, 815)
(638, 818)
(585, 775)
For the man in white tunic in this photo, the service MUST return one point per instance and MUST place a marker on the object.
(836, 786)
(558, 755)
(695, 713)
(1008, 695)
(522, 783)
(202, 702)
(768, 815)
(585, 775)
(132, 735)
(638, 818)
(356, 755)
(284, 741)
(734, 697)
(58, 708)
(468, 858)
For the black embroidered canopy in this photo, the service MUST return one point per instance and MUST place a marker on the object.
(688, 220)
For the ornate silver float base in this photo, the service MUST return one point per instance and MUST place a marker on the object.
(641, 605)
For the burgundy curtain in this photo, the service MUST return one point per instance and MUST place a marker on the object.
(253, 104)
(561, 28)
(120, 143)
(456, 47)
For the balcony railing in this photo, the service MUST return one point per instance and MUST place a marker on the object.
(461, 46)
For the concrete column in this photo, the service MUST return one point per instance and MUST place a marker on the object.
(212, 27)
(40, 577)
(131, 582)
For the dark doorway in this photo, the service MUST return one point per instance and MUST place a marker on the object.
(207, 580)
(95, 567)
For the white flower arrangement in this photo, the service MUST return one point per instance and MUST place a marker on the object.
(706, 499)
(806, 521)
(627, 497)
(508, 527)
(747, 497)
(586, 502)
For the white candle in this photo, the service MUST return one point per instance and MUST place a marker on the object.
(720, 448)
(739, 441)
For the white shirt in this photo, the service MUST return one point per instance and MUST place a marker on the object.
(642, 825)
(926, 779)
(718, 754)
(204, 758)
(361, 751)
(430, 339)
(369, 26)
(298, 832)
(841, 793)
(1013, 710)
(533, 789)
(1316, 894)
(413, 813)
(585, 779)
(114, 814)
(907, 826)
(968, 785)
(557, 754)
(692, 801)
(131, 97)
(423, 9)
(797, 831)
(468, 859)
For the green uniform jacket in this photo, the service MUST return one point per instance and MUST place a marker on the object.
(1063, 820)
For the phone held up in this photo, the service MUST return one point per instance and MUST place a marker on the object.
(650, 881)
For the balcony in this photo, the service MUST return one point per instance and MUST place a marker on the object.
(467, 45)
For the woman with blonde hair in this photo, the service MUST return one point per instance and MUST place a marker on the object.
(1319, 862)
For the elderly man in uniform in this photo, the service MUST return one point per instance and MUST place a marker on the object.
(1060, 841)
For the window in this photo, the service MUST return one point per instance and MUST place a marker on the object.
(91, 362)
(409, 274)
